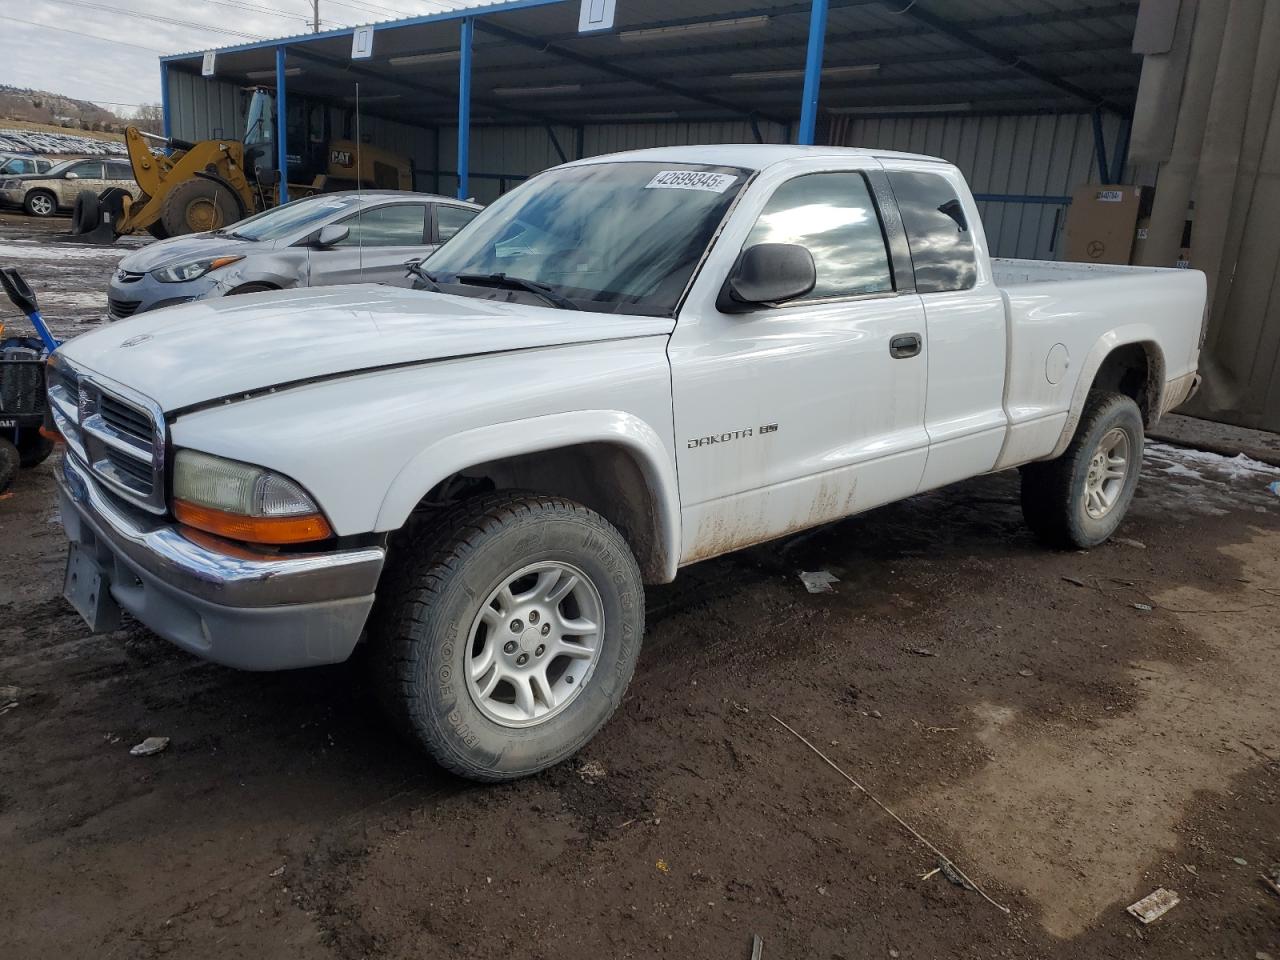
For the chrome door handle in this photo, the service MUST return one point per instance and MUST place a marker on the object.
(905, 345)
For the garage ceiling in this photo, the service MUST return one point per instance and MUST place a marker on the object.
(719, 59)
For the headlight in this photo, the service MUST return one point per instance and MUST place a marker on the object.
(243, 502)
(9, 185)
(190, 271)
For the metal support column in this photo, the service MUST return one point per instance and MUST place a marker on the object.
(164, 100)
(282, 145)
(813, 71)
(464, 106)
(1100, 147)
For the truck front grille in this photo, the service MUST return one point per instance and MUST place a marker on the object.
(119, 437)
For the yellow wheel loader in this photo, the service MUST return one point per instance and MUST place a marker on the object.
(194, 187)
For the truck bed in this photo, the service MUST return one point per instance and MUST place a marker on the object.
(1064, 318)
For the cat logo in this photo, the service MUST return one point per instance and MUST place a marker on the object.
(341, 158)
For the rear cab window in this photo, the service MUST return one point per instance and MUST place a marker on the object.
(832, 215)
(938, 231)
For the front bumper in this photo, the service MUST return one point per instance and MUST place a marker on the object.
(10, 198)
(227, 605)
(127, 299)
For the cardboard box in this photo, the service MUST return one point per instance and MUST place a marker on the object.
(1101, 224)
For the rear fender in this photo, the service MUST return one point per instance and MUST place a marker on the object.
(1138, 333)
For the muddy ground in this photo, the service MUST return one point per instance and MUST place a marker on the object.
(1070, 750)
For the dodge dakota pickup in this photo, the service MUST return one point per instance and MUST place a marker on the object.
(629, 364)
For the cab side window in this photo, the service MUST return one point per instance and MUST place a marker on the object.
(89, 170)
(938, 232)
(834, 217)
(395, 225)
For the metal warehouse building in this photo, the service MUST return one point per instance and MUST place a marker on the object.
(1030, 98)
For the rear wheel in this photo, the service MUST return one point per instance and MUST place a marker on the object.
(507, 636)
(1079, 499)
(40, 203)
(198, 205)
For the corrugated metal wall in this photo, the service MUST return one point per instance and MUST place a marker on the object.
(204, 109)
(517, 152)
(1031, 156)
(1038, 155)
(201, 109)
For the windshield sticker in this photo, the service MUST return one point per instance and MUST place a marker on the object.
(691, 180)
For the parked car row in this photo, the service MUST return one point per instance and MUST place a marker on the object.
(43, 193)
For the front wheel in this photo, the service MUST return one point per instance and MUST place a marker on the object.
(507, 635)
(40, 203)
(1080, 498)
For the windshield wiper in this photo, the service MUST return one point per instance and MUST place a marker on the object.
(507, 282)
(413, 268)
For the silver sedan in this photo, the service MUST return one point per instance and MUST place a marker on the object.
(332, 238)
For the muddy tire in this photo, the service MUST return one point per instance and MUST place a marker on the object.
(34, 450)
(198, 205)
(506, 635)
(85, 212)
(1079, 499)
(10, 463)
(40, 203)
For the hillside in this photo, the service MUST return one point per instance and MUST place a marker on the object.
(55, 110)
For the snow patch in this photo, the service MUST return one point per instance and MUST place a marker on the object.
(26, 250)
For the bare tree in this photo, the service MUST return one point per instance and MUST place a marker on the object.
(149, 117)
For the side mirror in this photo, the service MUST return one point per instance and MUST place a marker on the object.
(331, 234)
(768, 273)
(72, 175)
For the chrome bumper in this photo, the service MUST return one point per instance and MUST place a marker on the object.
(255, 612)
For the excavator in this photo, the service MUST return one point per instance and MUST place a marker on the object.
(189, 187)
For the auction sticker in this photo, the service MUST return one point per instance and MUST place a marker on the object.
(691, 180)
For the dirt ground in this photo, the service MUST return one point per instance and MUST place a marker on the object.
(1068, 748)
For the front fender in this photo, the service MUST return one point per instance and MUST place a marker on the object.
(456, 452)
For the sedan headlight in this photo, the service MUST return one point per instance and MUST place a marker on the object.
(180, 272)
(9, 185)
(242, 502)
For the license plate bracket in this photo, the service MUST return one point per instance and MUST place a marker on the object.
(87, 588)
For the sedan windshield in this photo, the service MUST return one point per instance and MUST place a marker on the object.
(296, 215)
(615, 237)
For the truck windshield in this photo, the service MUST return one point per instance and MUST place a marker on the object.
(615, 237)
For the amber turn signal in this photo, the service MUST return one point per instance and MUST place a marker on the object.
(268, 530)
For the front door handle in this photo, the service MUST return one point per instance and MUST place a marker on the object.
(905, 345)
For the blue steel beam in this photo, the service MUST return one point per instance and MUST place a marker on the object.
(164, 100)
(813, 71)
(282, 145)
(464, 105)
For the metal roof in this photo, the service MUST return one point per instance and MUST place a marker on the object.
(717, 59)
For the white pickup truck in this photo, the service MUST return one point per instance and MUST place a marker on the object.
(628, 364)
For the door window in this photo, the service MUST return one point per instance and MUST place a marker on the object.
(449, 220)
(937, 230)
(89, 170)
(396, 225)
(119, 171)
(833, 216)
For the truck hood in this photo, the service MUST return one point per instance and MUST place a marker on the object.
(196, 246)
(187, 355)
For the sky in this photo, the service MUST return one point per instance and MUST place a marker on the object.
(108, 51)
